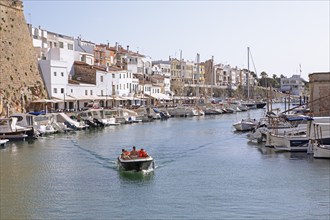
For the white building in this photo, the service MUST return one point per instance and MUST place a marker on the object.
(84, 51)
(55, 74)
(293, 85)
(163, 68)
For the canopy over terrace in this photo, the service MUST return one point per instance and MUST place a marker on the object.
(78, 102)
(134, 101)
(44, 105)
(158, 98)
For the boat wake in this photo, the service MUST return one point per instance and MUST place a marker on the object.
(200, 147)
(104, 161)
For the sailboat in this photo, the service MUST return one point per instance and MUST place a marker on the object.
(251, 104)
(247, 124)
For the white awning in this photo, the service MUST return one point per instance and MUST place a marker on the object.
(45, 101)
(160, 96)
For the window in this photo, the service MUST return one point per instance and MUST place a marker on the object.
(113, 76)
(55, 44)
(62, 90)
(101, 78)
(71, 90)
(61, 44)
(70, 46)
(62, 74)
(55, 90)
(50, 44)
(101, 92)
(86, 92)
(91, 92)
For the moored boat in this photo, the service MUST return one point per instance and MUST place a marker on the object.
(10, 130)
(246, 124)
(321, 151)
(3, 141)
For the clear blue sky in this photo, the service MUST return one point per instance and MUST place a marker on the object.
(281, 34)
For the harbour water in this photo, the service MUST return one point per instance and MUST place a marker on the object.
(204, 170)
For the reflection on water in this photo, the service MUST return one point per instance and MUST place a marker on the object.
(136, 176)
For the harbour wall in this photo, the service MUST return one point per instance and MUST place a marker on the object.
(20, 79)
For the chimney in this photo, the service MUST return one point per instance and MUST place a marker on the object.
(127, 48)
(116, 46)
(169, 58)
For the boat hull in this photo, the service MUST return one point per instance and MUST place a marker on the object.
(138, 164)
(260, 104)
(321, 151)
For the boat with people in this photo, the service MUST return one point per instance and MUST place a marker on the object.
(135, 160)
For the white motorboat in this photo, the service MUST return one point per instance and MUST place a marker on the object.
(319, 134)
(294, 141)
(10, 130)
(42, 124)
(136, 164)
(67, 123)
(3, 141)
(321, 151)
(246, 124)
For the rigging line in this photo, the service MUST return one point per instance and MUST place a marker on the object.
(255, 70)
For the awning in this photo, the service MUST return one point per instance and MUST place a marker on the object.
(160, 96)
(131, 98)
(44, 101)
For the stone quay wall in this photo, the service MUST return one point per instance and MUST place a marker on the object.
(20, 79)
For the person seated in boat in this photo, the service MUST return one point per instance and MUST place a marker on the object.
(125, 154)
(142, 153)
(134, 153)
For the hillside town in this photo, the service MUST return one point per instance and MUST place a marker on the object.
(77, 72)
(100, 130)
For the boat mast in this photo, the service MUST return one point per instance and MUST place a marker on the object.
(248, 74)
(212, 79)
(181, 74)
(197, 76)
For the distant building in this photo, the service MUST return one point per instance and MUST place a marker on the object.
(84, 51)
(293, 85)
(163, 68)
(319, 88)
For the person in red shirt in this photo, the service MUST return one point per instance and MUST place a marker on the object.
(142, 153)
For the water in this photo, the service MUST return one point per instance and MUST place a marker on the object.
(204, 170)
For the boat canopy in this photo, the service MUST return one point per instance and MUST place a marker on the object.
(298, 118)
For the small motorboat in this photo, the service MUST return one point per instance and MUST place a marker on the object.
(136, 164)
(246, 125)
(3, 141)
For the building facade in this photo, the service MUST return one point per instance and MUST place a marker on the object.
(293, 85)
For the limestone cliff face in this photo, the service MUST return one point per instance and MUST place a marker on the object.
(20, 79)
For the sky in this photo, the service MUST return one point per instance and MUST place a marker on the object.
(284, 37)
